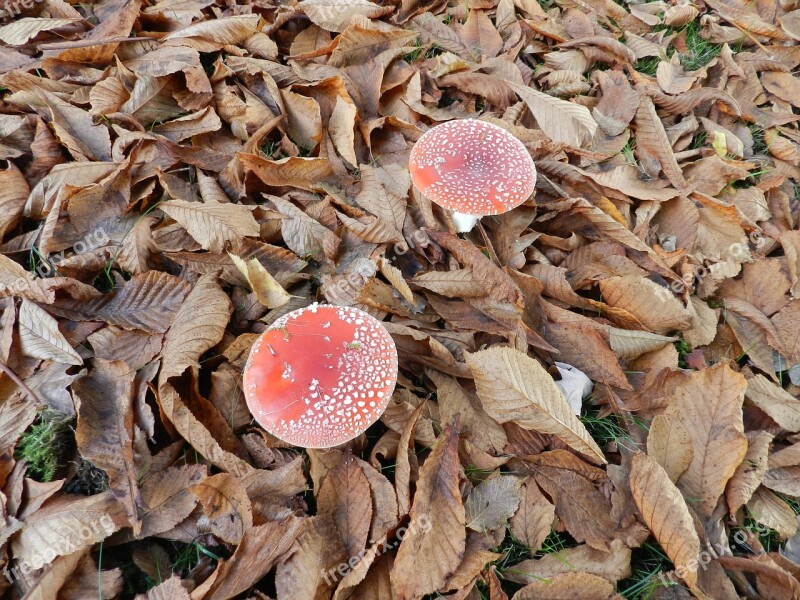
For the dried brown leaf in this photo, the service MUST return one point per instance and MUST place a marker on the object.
(653, 144)
(514, 387)
(40, 338)
(584, 510)
(224, 499)
(666, 514)
(567, 586)
(213, 225)
(709, 405)
(427, 556)
(105, 430)
(493, 502)
(336, 15)
(262, 546)
(779, 404)
(68, 524)
(770, 510)
(534, 519)
(750, 474)
(654, 306)
(565, 122)
(148, 302)
(612, 566)
(344, 496)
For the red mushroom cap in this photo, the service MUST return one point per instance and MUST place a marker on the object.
(320, 375)
(472, 167)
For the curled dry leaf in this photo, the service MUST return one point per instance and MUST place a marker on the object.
(780, 405)
(750, 474)
(772, 511)
(310, 571)
(259, 550)
(268, 291)
(105, 431)
(224, 499)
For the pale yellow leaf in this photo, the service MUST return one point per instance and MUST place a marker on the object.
(269, 292)
(669, 443)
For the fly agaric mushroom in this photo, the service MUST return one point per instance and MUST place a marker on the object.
(320, 375)
(472, 168)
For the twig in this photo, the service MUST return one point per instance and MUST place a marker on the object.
(87, 43)
(15, 378)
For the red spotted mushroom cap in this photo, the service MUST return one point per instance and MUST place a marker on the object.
(320, 375)
(472, 167)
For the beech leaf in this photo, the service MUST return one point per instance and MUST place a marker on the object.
(514, 387)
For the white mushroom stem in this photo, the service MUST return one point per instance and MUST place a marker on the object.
(464, 223)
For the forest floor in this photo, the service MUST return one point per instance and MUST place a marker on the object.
(146, 146)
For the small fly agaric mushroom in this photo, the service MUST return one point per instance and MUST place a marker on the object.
(320, 375)
(472, 168)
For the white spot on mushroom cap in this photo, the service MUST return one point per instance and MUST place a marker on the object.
(478, 167)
